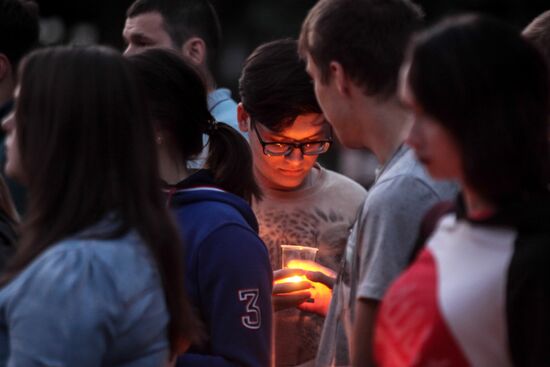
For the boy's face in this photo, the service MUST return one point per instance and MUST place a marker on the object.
(287, 172)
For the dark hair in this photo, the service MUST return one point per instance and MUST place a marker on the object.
(538, 32)
(178, 104)
(6, 203)
(488, 87)
(86, 148)
(19, 29)
(367, 37)
(184, 19)
(275, 87)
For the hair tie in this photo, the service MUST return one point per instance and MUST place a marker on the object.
(212, 126)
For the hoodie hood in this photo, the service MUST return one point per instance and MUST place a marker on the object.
(200, 188)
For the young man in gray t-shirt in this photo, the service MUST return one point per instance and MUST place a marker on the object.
(355, 82)
(303, 203)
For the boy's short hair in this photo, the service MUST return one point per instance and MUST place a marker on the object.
(367, 37)
(275, 87)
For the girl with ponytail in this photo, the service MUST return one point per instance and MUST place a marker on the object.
(228, 274)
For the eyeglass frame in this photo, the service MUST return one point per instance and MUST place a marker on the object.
(292, 145)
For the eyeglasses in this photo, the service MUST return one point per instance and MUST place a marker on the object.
(276, 148)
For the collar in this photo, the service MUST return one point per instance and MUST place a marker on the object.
(218, 96)
(530, 213)
(399, 152)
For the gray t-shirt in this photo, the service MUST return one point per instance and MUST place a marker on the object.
(319, 216)
(379, 245)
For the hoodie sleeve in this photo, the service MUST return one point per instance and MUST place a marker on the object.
(235, 282)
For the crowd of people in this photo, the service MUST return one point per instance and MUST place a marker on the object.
(152, 207)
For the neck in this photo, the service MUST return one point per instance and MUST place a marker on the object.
(209, 81)
(267, 184)
(390, 129)
(476, 205)
(172, 170)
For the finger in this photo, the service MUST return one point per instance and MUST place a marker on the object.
(311, 266)
(317, 276)
(285, 273)
(281, 302)
(290, 287)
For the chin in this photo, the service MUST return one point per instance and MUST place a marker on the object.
(14, 175)
(289, 184)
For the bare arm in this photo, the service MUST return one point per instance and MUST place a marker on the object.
(363, 332)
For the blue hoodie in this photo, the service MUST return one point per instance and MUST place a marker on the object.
(228, 274)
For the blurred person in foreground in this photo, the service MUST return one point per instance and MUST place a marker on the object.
(96, 279)
(479, 292)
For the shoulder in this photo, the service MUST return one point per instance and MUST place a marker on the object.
(113, 269)
(407, 178)
(335, 180)
(400, 188)
(211, 214)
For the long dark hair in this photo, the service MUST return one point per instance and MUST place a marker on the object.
(86, 152)
(178, 104)
(489, 88)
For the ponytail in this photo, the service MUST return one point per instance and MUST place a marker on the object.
(230, 160)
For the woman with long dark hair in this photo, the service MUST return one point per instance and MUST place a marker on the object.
(228, 274)
(96, 278)
(479, 292)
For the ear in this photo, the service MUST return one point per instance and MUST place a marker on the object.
(194, 50)
(340, 78)
(5, 67)
(243, 118)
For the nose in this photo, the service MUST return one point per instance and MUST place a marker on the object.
(295, 155)
(8, 123)
(129, 51)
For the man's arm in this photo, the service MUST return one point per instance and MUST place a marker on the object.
(363, 332)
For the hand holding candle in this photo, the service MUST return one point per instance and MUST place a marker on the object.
(290, 288)
(322, 280)
(301, 281)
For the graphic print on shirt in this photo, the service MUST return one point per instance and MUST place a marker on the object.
(253, 318)
(325, 230)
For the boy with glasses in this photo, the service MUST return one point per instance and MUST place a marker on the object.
(304, 204)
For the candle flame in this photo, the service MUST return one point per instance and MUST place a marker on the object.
(292, 279)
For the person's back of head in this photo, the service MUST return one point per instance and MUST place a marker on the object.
(85, 152)
(538, 32)
(184, 19)
(275, 87)
(488, 87)
(19, 29)
(178, 107)
(367, 37)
